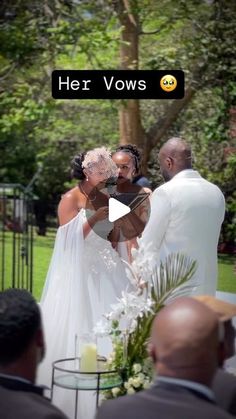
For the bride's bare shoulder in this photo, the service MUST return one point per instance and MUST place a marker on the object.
(69, 206)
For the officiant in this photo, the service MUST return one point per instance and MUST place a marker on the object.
(126, 229)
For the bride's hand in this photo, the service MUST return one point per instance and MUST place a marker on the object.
(101, 214)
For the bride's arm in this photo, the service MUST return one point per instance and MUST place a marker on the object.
(69, 207)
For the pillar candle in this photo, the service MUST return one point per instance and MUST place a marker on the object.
(88, 360)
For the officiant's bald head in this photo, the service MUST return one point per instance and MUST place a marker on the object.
(174, 156)
(185, 341)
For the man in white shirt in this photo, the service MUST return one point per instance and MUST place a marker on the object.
(186, 215)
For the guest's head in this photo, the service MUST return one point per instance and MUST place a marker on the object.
(21, 336)
(127, 159)
(94, 166)
(174, 156)
(225, 312)
(185, 341)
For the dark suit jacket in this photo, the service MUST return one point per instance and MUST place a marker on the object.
(25, 401)
(224, 387)
(162, 401)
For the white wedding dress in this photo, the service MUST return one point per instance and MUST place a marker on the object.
(85, 277)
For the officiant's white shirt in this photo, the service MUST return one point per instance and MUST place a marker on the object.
(186, 216)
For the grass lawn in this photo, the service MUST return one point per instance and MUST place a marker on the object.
(226, 274)
(42, 251)
(43, 247)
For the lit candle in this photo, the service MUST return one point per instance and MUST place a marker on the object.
(88, 360)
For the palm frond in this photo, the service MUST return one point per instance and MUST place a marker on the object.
(173, 278)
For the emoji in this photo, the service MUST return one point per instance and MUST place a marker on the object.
(168, 83)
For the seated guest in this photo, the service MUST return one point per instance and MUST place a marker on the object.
(21, 349)
(224, 383)
(185, 349)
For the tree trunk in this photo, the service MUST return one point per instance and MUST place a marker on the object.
(131, 130)
(130, 122)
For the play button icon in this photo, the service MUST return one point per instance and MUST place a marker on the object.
(109, 205)
(116, 210)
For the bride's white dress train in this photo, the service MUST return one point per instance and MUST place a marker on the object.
(85, 277)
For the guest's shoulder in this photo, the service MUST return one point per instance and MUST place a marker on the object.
(42, 404)
(147, 403)
(115, 408)
(223, 378)
(28, 405)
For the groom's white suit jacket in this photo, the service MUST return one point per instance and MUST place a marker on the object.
(186, 216)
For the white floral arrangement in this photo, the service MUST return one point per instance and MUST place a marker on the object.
(139, 379)
(130, 319)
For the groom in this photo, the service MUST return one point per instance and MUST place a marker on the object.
(186, 215)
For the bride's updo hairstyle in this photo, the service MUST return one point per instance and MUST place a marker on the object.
(97, 160)
(134, 153)
(77, 168)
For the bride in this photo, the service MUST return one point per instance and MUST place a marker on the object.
(85, 275)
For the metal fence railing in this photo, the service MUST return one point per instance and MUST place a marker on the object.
(16, 237)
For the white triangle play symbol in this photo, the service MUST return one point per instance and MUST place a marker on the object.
(116, 209)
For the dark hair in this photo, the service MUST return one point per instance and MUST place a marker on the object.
(77, 169)
(19, 321)
(133, 151)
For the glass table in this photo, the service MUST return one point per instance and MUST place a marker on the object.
(66, 374)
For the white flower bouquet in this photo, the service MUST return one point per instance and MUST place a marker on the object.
(131, 317)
